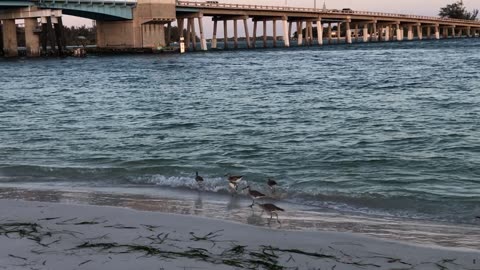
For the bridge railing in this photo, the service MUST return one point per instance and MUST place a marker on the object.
(217, 5)
(90, 2)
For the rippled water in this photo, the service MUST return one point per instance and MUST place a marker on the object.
(384, 129)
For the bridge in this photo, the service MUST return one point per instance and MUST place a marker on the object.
(147, 24)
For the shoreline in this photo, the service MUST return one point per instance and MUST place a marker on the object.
(235, 209)
(66, 236)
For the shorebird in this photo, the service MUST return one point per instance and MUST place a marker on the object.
(234, 180)
(272, 209)
(272, 184)
(199, 179)
(254, 194)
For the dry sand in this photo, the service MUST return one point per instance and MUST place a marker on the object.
(40, 235)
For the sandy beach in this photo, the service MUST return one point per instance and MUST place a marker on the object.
(62, 235)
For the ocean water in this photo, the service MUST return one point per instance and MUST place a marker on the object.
(386, 129)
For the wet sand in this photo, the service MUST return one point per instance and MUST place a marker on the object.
(43, 235)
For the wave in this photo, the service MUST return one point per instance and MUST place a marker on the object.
(385, 199)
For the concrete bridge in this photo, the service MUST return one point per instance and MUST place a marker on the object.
(126, 24)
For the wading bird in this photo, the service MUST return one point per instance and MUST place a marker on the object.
(199, 179)
(272, 209)
(233, 181)
(272, 184)
(254, 195)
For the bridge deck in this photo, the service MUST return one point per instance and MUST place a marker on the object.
(222, 9)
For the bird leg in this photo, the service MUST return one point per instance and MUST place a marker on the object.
(253, 202)
(277, 218)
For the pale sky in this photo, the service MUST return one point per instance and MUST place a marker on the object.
(414, 7)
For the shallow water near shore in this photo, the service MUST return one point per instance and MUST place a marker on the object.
(374, 130)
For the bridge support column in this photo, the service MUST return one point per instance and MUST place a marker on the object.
(286, 33)
(32, 41)
(254, 42)
(339, 32)
(194, 36)
(235, 34)
(189, 35)
(348, 37)
(264, 33)
(437, 32)
(214, 37)
(300, 33)
(356, 32)
(387, 33)
(319, 31)
(375, 36)
(469, 32)
(10, 45)
(225, 35)
(329, 33)
(419, 32)
(410, 32)
(203, 41)
(365, 33)
(247, 36)
(399, 33)
(429, 32)
(1, 39)
(168, 36)
(181, 38)
(274, 33)
(310, 33)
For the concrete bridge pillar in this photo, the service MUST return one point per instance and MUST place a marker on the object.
(399, 33)
(145, 30)
(203, 41)
(356, 33)
(375, 34)
(32, 40)
(225, 34)
(235, 34)
(275, 33)
(469, 32)
(247, 35)
(387, 33)
(419, 32)
(437, 32)
(189, 34)
(365, 33)
(310, 32)
(1, 39)
(348, 37)
(254, 42)
(410, 32)
(429, 32)
(320, 31)
(339, 32)
(264, 33)
(286, 33)
(300, 33)
(214, 37)
(329, 33)
(10, 45)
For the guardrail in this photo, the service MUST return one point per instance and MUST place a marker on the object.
(90, 2)
(212, 4)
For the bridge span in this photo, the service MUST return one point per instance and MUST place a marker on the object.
(124, 24)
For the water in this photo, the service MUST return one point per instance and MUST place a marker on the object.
(387, 130)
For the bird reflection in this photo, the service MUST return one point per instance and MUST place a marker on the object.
(234, 203)
(198, 204)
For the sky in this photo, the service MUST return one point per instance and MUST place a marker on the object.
(414, 7)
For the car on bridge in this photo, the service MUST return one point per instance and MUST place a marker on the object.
(347, 10)
(211, 3)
